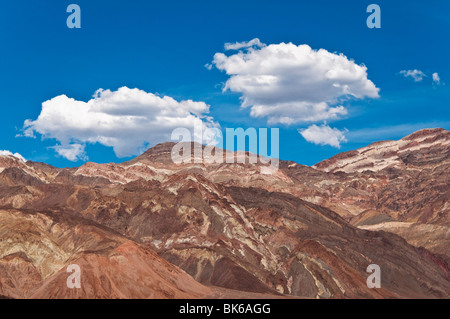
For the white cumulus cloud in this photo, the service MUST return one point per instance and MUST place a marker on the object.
(417, 75)
(324, 135)
(127, 120)
(9, 153)
(288, 83)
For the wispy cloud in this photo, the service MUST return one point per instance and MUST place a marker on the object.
(72, 152)
(245, 44)
(436, 78)
(415, 74)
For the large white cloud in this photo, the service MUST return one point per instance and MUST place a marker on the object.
(324, 135)
(288, 83)
(127, 120)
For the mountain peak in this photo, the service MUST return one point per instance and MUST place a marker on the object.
(427, 132)
(419, 148)
(160, 153)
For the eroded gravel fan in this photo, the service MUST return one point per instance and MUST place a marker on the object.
(302, 231)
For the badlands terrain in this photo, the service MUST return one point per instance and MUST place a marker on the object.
(149, 228)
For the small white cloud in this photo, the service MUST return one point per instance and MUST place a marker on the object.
(417, 75)
(324, 135)
(127, 120)
(9, 153)
(73, 152)
(436, 78)
(288, 83)
(245, 44)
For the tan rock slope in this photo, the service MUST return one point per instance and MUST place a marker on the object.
(302, 231)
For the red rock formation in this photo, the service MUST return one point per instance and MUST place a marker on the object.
(301, 231)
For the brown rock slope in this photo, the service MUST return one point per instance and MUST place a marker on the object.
(36, 248)
(399, 186)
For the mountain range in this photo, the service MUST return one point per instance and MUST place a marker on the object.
(150, 228)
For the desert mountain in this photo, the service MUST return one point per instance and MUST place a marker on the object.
(170, 230)
(400, 186)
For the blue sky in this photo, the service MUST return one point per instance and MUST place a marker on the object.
(162, 48)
